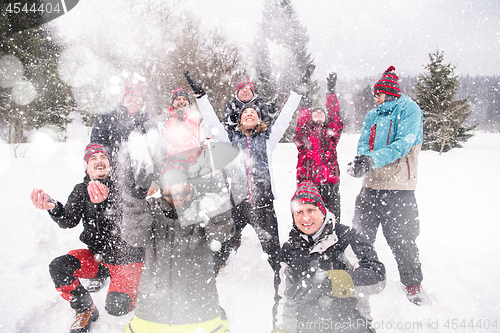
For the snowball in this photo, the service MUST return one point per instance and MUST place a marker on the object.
(23, 92)
(11, 71)
(215, 245)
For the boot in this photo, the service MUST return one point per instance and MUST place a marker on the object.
(84, 317)
(414, 294)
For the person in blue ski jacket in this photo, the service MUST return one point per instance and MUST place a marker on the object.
(387, 159)
(252, 191)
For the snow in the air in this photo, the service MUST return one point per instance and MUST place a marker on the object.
(457, 195)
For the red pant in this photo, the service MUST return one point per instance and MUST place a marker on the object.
(123, 279)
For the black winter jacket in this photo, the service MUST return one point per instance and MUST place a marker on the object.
(303, 295)
(114, 127)
(100, 233)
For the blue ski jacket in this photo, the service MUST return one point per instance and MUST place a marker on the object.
(392, 135)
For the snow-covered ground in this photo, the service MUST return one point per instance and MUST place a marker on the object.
(457, 196)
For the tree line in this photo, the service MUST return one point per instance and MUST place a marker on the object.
(179, 42)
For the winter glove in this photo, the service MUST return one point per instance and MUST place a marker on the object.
(272, 106)
(195, 85)
(304, 80)
(331, 83)
(310, 288)
(361, 165)
(306, 101)
(342, 285)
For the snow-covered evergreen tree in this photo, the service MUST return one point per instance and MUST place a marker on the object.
(281, 55)
(32, 94)
(444, 115)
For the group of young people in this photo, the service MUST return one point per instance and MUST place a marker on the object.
(162, 251)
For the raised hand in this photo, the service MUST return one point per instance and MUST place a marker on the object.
(42, 200)
(195, 84)
(98, 192)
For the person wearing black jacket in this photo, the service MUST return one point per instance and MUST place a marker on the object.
(94, 203)
(245, 93)
(114, 127)
(321, 289)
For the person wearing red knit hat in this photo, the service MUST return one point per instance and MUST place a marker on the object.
(387, 160)
(318, 282)
(93, 202)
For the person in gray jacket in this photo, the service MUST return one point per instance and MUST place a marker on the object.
(327, 272)
(179, 232)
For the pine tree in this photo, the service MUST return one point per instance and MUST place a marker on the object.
(36, 98)
(444, 115)
(281, 55)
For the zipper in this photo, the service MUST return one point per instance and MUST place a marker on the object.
(389, 134)
(249, 184)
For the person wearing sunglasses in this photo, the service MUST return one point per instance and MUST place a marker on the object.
(179, 231)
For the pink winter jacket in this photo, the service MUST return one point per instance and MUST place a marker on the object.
(316, 144)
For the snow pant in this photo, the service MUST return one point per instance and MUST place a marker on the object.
(263, 220)
(67, 270)
(330, 194)
(397, 212)
(216, 325)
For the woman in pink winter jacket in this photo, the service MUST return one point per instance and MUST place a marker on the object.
(316, 136)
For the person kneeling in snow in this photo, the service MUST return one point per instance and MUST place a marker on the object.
(320, 290)
(93, 202)
(179, 232)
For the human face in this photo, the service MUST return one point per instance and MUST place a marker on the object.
(177, 195)
(318, 117)
(98, 166)
(245, 94)
(379, 98)
(308, 218)
(180, 102)
(249, 118)
(133, 102)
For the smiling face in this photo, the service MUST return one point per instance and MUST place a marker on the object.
(133, 102)
(177, 195)
(249, 118)
(98, 166)
(180, 102)
(245, 94)
(308, 218)
(318, 116)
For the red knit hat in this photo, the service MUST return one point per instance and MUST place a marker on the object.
(134, 86)
(306, 193)
(175, 171)
(243, 83)
(93, 148)
(388, 84)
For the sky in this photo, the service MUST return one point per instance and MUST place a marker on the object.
(363, 37)
(354, 38)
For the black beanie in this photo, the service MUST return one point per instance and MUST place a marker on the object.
(250, 106)
(179, 91)
(388, 84)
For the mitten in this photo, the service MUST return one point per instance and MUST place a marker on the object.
(361, 165)
(342, 285)
(195, 84)
(331, 83)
